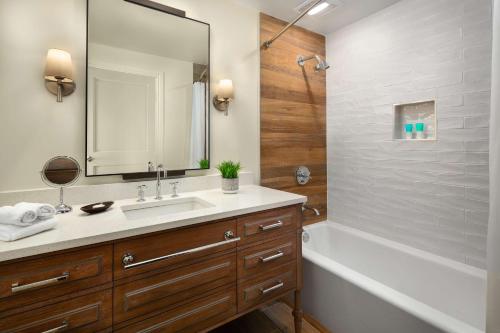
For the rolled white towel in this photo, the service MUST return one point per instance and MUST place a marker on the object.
(17, 216)
(9, 233)
(43, 211)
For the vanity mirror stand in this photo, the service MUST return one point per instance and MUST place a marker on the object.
(61, 172)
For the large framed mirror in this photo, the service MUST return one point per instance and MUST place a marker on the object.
(148, 74)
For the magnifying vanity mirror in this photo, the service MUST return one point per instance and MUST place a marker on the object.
(60, 172)
(148, 72)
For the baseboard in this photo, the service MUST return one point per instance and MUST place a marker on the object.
(313, 321)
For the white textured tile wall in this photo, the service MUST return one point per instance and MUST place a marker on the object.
(430, 195)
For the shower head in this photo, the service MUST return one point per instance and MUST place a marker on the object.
(321, 65)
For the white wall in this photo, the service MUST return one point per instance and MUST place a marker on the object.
(33, 127)
(493, 320)
(430, 195)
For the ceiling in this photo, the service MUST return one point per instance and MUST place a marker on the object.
(348, 12)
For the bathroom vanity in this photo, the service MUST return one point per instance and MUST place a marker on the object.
(186, 264)
(185, 272)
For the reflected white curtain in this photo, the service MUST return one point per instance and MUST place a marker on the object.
(493, 295)
(197, 144)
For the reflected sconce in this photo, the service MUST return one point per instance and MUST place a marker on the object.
(59, 74)
(224, 93)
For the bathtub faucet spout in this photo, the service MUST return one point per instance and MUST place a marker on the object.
(306, 207)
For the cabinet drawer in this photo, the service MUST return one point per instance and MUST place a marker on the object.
(263, 257)
(266, 286)
(40, 279)
(192, 317)
(90, 313)
(267, 225)
(169, 248)
(167, 289)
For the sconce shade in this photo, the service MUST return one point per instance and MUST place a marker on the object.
(59, 74)
(225, 89)
(58, 65)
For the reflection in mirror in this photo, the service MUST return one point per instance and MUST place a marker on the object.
(147, 88)
(60, 172)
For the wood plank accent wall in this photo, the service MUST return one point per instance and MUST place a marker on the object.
(293, 113)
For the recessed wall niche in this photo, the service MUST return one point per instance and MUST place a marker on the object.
(415, 121)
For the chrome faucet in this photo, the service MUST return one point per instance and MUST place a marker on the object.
(306, 207)
(174, 189)
(159, 170)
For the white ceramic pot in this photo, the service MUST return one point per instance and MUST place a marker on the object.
(230, 186)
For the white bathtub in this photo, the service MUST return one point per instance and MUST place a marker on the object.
(356, 282)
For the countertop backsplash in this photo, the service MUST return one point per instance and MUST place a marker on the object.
(84, 194)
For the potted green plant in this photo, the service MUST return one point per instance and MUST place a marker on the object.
(230, 180)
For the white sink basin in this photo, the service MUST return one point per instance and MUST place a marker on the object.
(164, 207)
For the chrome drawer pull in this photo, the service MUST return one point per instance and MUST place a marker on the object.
(276, 225)
(279, 254)
(15, 288)
(277, 286)
(58, 328)
(128, 259)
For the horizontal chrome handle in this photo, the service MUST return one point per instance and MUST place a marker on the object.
(277, 286)
(127, 259)
(58, 328)
(15, 288)
(278, 255)
(276, 225)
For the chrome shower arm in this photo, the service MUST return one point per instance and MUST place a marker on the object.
(301, 60)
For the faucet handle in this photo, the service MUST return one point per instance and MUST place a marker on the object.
(174, 189)
(141, 189)
(161, 169)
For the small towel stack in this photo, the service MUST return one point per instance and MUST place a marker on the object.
(25, 219)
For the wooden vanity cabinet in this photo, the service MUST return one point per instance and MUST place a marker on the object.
(262, 257)
(49, 277)
(178, 245)
(189, 279)
(89, 313)
(165, 290)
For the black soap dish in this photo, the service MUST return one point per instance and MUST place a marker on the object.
(98, 207)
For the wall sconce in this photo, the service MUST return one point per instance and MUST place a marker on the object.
(59, 74)
(224, 93)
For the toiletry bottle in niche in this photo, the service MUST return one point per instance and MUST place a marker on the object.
(420, 127)
(409, 131)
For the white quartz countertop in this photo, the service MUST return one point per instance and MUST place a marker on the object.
(79, 229)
